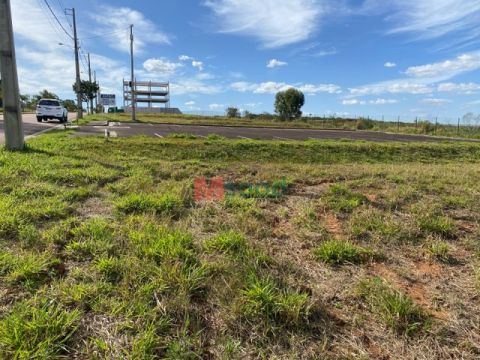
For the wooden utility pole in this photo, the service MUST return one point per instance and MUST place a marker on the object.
(90, 80)
(12, 110)
(77, 66)
(133, 87)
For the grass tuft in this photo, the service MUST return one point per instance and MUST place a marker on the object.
(43, 332)
(336, 252)
(395, 308)
(167, 204)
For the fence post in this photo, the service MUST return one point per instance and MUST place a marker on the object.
(398, 124)
(458, 127)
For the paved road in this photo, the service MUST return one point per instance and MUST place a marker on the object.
(161, 130)
(31, 126)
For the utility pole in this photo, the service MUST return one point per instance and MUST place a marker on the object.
(96, 93)
(12, 110)
(133, 87)
(77, 67)
(90, 80)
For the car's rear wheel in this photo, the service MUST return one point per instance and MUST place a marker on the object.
(39, 119)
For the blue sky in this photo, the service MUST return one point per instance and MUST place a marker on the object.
(373, 57)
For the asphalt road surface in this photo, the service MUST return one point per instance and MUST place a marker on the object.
(162, 130)
(31, 126)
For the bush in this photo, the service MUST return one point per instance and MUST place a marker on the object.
(233, 112)
(426, 127)
(365, 124)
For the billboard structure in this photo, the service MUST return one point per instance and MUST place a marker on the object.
(149, 96)
(108, 100)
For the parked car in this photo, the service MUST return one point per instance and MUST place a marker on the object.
(48, 109)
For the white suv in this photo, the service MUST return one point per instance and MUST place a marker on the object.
(48, 109)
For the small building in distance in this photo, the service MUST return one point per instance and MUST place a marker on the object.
(150, 97)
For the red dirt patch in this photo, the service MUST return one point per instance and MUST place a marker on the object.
(334, 226)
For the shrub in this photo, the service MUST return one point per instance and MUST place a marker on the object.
(288, 104)
(396, 309)
(365, 124)
(341, 252)
(31, 332)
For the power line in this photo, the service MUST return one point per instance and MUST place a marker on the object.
(56, 18)
(52, 24)
(62, 9)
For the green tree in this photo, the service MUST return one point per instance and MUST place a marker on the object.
(45, 94)
(233, 112)
(288, 104)
(88, 90)
(70, 105)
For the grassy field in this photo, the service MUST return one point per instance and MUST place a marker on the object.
(335, 250)
(422, 128)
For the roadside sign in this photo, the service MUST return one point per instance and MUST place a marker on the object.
(108, 100)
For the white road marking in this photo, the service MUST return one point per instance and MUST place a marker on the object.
(113, 134)
(158, 135)
(116, 127)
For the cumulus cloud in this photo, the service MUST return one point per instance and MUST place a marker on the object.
(184, 58)
(274, 23)
(190, 103)
(383, 101)
(389, 64)
(276, 63)
(161, 66)
(447, 69)
(353, 102)
(272, 87)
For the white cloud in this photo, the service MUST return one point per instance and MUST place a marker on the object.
(190, 103)
(435, 102)
(392, 87)
(116, 20)
(216, 107)
(198, 65)
(383, 101)
(465, 88)
(271, 87)
(428, 19)
(274, 23)
(447, 69)
(389, 64)
(276, 63)
(184, 58)
(161, 66)
(353, 102)
(37, 41)
(193, 86)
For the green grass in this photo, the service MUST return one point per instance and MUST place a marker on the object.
(338, 252)
(105, 254)
(396, 309)
(38, 331)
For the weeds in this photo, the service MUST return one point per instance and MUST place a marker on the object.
(37, 331)
(342, 199)
(396, 309)
(338, 252)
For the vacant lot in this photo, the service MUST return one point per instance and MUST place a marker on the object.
(319, 250)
